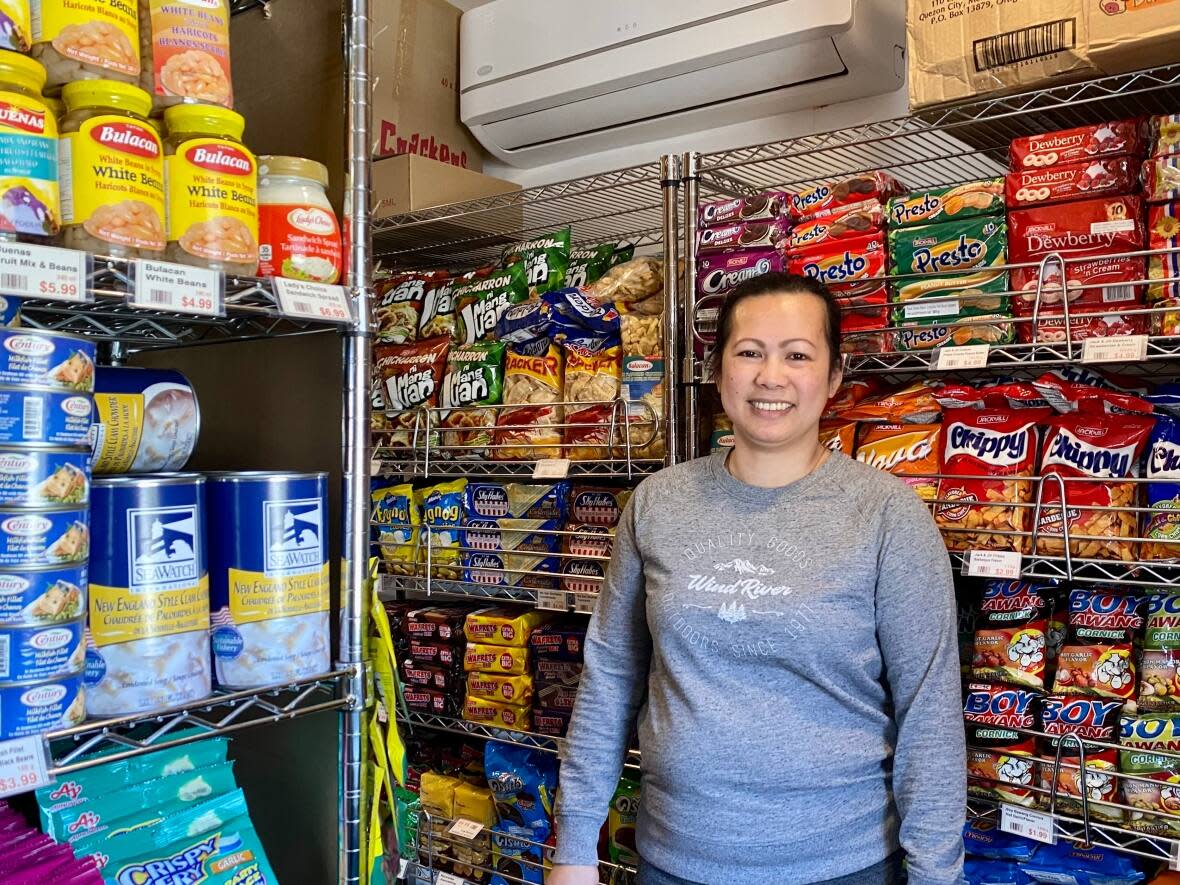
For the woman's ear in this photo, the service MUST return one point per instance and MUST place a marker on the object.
(834, 382)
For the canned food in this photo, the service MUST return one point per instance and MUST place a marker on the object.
(31, 358)
(33, 654)
(45, 417)
(33, 539)
(44, 477)
(9, 311)
(147, 420)
(34, 709)
(148, 632)
(268, 564)
(43, 596)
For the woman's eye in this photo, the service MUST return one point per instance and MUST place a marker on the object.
(798, 356)
(752, 354)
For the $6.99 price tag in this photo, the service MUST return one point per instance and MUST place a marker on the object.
(313, 301)
(23, 765)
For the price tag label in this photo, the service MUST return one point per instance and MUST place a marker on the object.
(1174, 857)
(313, 301)
(402, 866)
(552, 468)
(465, 829)
(449, 879)
(1118, 349)
(969, 356)
(44, 272)
(1036, 825)
(552, 600)
(921, 309)
(24, 765)
(161, 285)
(992, 564)
(585, 602)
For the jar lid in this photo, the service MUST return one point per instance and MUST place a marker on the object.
(22, 70)
(56, 105)
(106, 94)
(205, 119)
(295, 167)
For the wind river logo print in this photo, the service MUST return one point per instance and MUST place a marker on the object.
(749, 587)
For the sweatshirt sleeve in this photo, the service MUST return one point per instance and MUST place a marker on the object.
(614, 679)
(917, 632)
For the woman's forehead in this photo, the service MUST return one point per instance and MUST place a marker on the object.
(796, 313)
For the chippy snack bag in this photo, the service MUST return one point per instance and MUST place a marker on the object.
(395, 524)
(480, 302)
(1160, 789)
(1098, 658)
(1159, 665)
(1089, 719)
(533, 381)
(1010, 634)
(442, 517)
(908, 451)
(545, 260)
(999, 763)
(475, 377)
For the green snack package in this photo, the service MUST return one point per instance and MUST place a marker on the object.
(621, 816)
(475, 377)
(408, 808)
(80, 788)
(480, 302)
(587, 265)
(623, 252)
(545, 260)
(175, 760)
(939, 204)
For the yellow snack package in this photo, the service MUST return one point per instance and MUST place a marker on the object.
(475, 803)
(395, 524)
(501, 625)
(500, 688)
(442, 517)
(438, 793)
(508, 716)
(508, 660)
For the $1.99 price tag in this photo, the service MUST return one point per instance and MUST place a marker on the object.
(44, 272)
(23, 765)
(313, 301)
(161, 285)
(1035, 825)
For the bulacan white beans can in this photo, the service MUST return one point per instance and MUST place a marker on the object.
(146, 420)
(268, 564)
(148, 629)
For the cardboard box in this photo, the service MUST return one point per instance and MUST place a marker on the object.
(962, 48)
(409, 183)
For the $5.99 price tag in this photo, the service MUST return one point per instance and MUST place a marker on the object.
(313, 301)
(44, 272)
(161, 285)
(23, 765)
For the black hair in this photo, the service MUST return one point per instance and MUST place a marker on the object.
(778, 283)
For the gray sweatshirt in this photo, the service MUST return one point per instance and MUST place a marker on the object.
(791, 656)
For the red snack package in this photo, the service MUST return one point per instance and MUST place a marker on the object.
(412, 376)
(850, 221)
(1088, 718)
(1072, 181)
(1107, 448)
(1010, 634)
(1082, 229)
(1068, 397)
(1013, 395)
(998, 766)
(744, 235)
(763, 207)
(1098, 657)
(852, 269)
(984, 452)
(908, 451)
(1163, 232)
(1161, 178)
(1075, 145)
(827, 197)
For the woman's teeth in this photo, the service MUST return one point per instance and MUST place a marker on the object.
(772, 407)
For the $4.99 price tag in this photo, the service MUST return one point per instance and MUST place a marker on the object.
(1115, 349)
(1002, 564)
(465, 829)
(161, 285)
(552, 600)
(313, 301)
(968, 356)
(1036, 825)
(23, 765)
(44, 272)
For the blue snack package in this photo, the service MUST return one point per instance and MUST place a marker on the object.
(523, 783)
(574, 317)
(1065, 862)
(993, 872)
(517, 500)
(984, 838)
(1163, 489)
(522, 323)
(515, 855)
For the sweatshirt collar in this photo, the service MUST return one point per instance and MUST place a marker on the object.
(731, 485)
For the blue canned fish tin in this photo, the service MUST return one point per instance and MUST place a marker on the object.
(268, 568)
(148, 626)
(34, 709)
(43, 596)
(45, 417)
(44, 477)
(33, 539)
(34, 654)
(146, 420)
(32, 358)
(9, 311)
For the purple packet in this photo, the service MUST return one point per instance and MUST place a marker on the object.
(744, 235)
(556, 697)
(718, 274)
(762, 207)
(550, 722)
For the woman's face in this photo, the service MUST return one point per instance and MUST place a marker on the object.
(775, 370)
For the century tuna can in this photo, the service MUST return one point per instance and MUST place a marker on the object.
(33, 654)
(9, 311)
(148, 633)
(268, 565)
(147, 420)
(44, 477)
(43, 596)
(34, 709)
(35, 539)
(45, 417)
(32, 358)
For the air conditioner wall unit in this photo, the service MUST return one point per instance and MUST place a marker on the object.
(546, 80)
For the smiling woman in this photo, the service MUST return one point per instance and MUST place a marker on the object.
(779, 622)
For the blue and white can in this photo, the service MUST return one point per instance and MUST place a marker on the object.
(9, 311)
(148, 627)
(35, 709)
(34, 654)
(32, 358)
(38, 539)
(146, 420)
(268, 564)
(45, 417)
(44, 477)
(43, 596)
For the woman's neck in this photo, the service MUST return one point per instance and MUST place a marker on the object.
(774, 468)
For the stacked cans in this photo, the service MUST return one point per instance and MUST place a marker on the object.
(46, 410)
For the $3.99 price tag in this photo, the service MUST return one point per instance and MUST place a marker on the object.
(23, 765)
(313, 301)
(44, 272)
(161, 285)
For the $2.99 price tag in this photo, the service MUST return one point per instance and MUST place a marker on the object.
(44, 272)
(313, 301)
(1001, 564)
(161, 285)
(23, 765)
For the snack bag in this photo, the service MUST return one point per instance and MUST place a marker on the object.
(588, 265)
(908, 451)
(508, 660)
(631, 281)
(1107, 448)
(620, 822)
(575, 319)
(999, 763)
(480, 302)
(999, 444)
(1075, 145)
(500, 625)
(516, 856)
(535, 539)
(1159, 666)
(399, 305)
(586, 556)
(853, 221)
(984, 838)
(1160, 792)
(442, 516)
(475, 377)
(643, 390)
(1072, 181)
(523, 783)
(853, 269)
(591, 377)
(438, 307)
(518, 500)
(395, 525)
(1163, 232)
(719, 273)
(545, 261)
(1163, 491)
(533, 382)
(827, 197)
(762, 207)
(1161, 178)
(1098, 658)
(1010, 634)
(1088, 718)
(773, 233)
(413, 376)
(936, 205)
(642, 335)
(1085, 866)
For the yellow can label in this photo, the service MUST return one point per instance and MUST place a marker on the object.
(190, 50)
(255, 597)
(112, 181)
(103, 33)
(119, 428)
(118, 614)
(28, 167)
(213, 200)
(19, 37)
